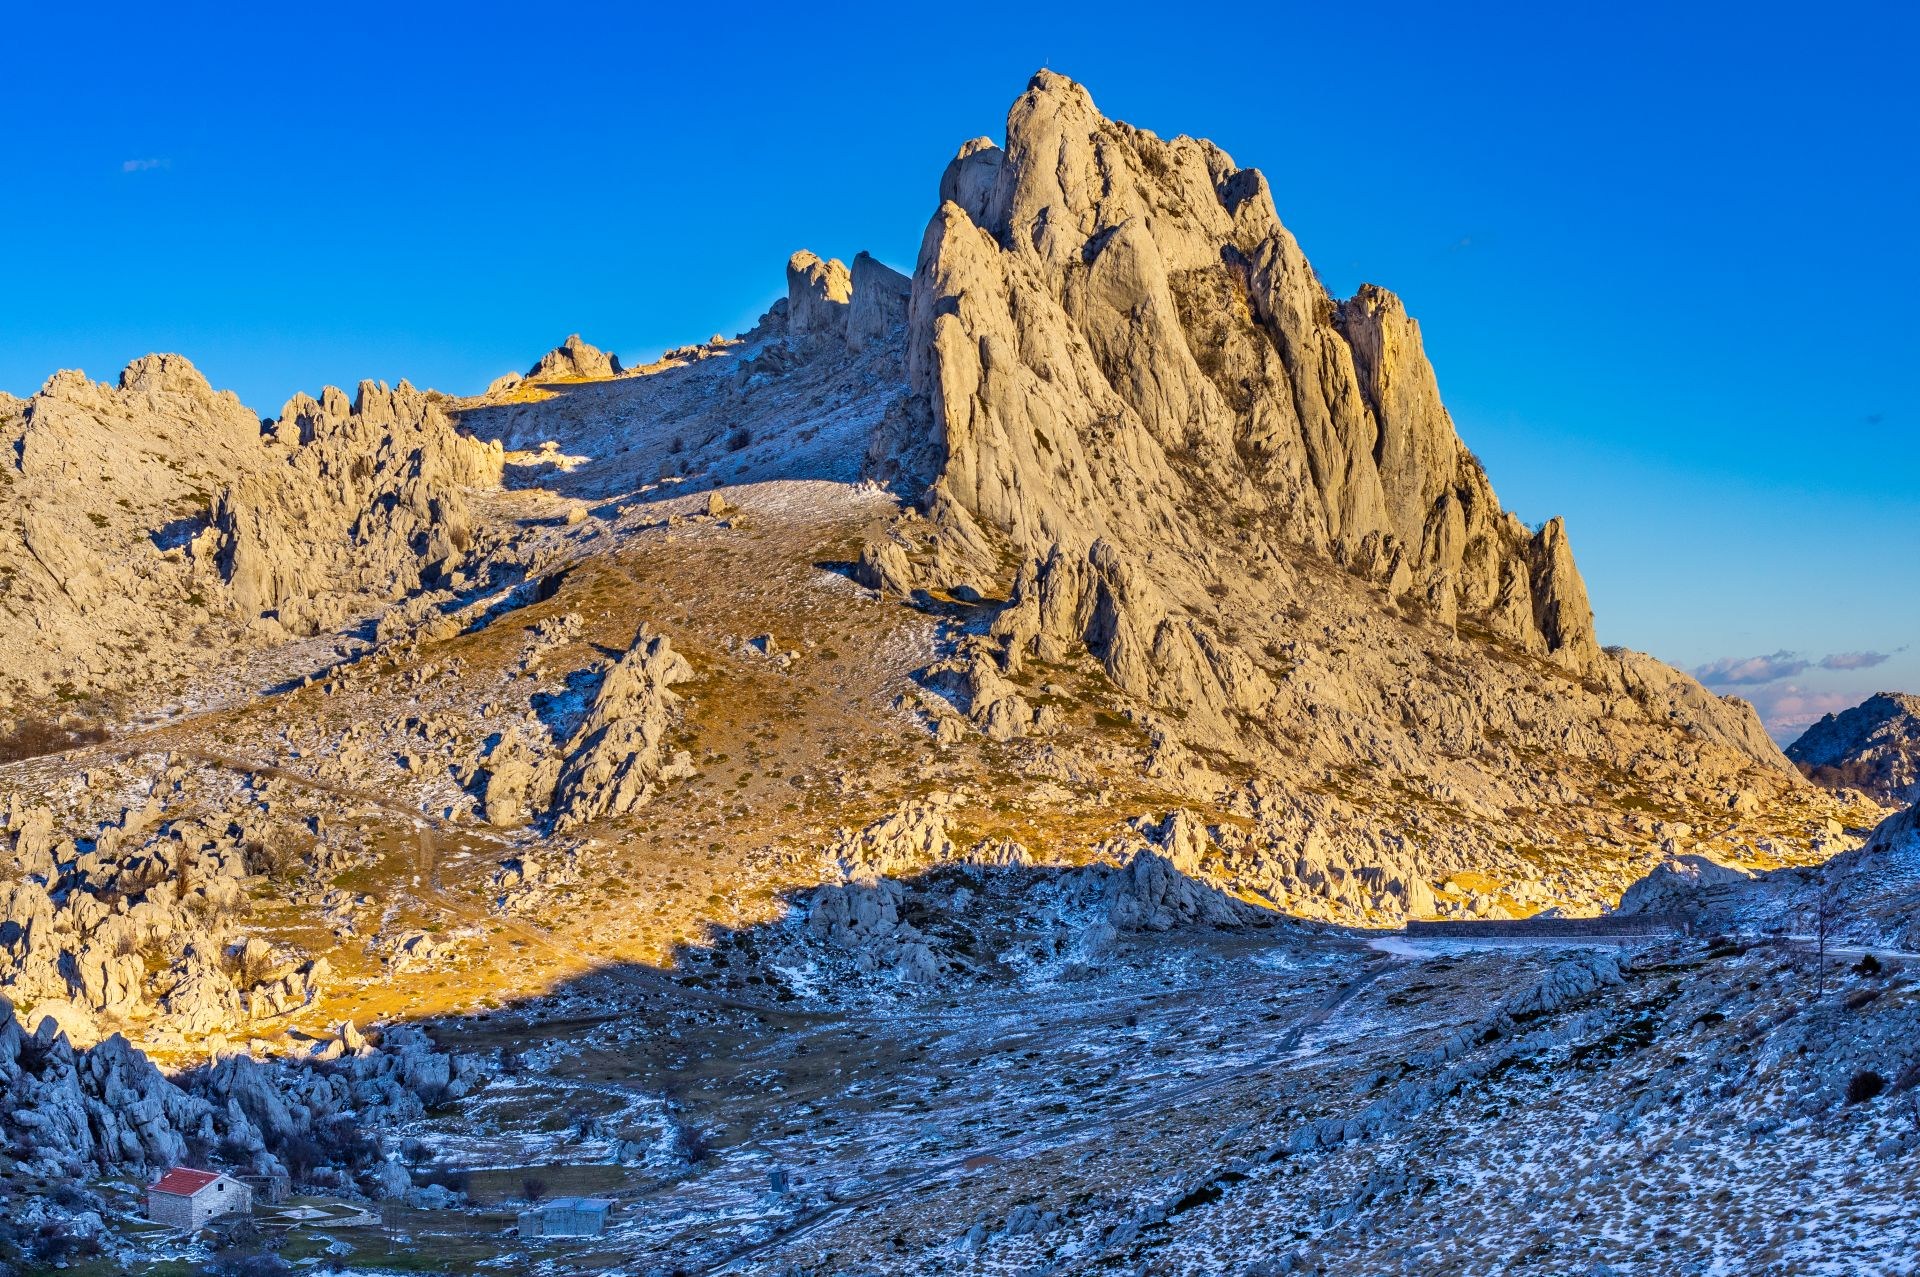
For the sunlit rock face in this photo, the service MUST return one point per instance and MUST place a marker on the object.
(1134, 406)
(575, 360)
(1117, 339)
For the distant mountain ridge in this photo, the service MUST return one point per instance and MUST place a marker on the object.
(1873, 747)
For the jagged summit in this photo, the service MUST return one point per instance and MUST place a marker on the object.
(1124, 375)
(156, 512)
(575, 360)
(1874, 747)
(861, 306)
(1114, 338)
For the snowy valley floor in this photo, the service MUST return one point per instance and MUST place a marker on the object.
(1236, 1101)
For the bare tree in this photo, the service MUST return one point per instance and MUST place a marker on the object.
(1822, 909)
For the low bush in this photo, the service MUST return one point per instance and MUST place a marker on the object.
(1865, 1086)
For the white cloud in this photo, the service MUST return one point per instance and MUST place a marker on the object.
(1747, 671)
(1853, 660)
(144, 166)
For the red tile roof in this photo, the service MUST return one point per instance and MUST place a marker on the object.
(183, 1182)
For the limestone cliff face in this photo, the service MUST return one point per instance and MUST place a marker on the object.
(1116, 339)
(1133, 405)
(368, 499)
(103, 491)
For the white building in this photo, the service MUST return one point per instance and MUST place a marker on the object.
(186, 1198)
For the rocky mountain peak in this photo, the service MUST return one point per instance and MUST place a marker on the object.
(575, 360)
(165, 374)
(1873, 747)
(1114, 342)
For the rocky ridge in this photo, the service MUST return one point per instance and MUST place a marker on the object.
(1873, 747)
(151, 516)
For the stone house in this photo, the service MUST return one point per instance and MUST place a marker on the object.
(186, 1198)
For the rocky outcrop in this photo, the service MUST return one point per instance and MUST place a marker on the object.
(865, 922)
(1116, 340)
(861, 307)
(1873, 747)
(1152, 893)
(912, 838)
(106, 492)
(572, 360)
(1677, 884)
(368, 502)
(618, 755)
(818, 296)
(159, 517)
(520, 777)
(140, 920)
(879, 303)
(1134, 408)
(108, 1106)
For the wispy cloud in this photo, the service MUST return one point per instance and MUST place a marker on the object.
(1752, 671)
(1853, 660)
(145, 166)
(1786, 708)
(1747, 671)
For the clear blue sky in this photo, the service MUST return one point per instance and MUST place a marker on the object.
(1665, 260)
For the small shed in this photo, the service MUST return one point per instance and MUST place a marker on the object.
(566, 1217)
(187, 1198)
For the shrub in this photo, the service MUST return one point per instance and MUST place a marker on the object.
(1865, 1086)
(533, 1188)
(70, 1196)
(54, 1247)
(349, 1144)
(1868, 965)
(302, 1156)
(690, 1145)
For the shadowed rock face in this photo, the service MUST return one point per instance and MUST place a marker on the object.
(1116, 340)
(1875, 747)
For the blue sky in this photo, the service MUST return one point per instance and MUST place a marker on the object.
(1665, 263)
